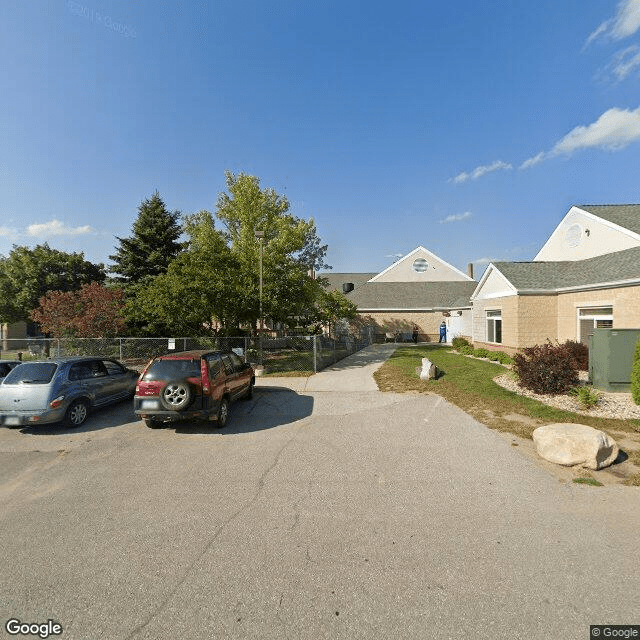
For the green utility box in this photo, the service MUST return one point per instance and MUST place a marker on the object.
(611, 358)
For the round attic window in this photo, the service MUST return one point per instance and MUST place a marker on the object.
(420, 265)
(573, 235)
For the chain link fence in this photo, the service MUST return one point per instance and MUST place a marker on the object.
(291, 355)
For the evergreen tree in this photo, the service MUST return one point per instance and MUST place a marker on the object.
(152, 246)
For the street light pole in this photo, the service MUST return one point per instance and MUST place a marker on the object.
(260, 238)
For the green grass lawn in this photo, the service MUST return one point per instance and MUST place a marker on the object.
(468, 383)
(300, 363)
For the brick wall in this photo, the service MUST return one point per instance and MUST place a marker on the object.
(624, 300)
(537, 319)
(508, 306)
(428, 322)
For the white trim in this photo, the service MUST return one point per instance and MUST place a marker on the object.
(409, 310)
(485, 276)
(591, 216)
(606, 316)
(429, 253)
(582, 287)
(493, 319)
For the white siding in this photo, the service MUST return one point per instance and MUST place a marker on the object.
(437, 271)
(582, 235)
(494, 285)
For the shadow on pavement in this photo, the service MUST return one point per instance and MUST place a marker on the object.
(270, 407)
(115, 415)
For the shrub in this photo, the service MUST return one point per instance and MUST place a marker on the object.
(501, 357)
(466, 350)
(480, 353)
(580, 353)
(458, 342)
(635, 375)
(586, 396)
(547, 368)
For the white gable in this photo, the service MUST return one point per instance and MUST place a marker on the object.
(420, 266)
(583, 235)
(493, 285)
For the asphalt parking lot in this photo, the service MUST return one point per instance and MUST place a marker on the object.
(318, 512)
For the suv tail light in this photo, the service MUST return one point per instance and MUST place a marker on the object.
(204, 371)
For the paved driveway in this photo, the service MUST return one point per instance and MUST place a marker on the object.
(325, 510)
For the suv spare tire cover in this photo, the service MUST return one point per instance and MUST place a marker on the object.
(176, 395)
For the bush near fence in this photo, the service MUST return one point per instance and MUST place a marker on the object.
(290, 354)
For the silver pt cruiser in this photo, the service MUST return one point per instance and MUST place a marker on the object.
(63, 390)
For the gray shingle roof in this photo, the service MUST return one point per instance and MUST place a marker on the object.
(336, 280)
(545, 276)
(413, 295)
(624, 215)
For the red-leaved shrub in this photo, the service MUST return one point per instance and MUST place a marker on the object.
(547, 368)
(580, 353)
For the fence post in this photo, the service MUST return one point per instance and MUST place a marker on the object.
(315, 354)
(120, 341)
(246, 349)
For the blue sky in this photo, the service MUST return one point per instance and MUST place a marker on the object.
(467, 127)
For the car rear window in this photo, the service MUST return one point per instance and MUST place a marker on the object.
(172, 369)
(5, 367)
(32, 373)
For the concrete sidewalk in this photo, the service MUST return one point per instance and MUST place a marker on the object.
(353, 373)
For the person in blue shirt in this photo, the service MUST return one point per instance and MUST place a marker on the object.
(443, 332)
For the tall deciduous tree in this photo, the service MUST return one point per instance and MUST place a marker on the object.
(152, 245)
(290, 249)
(334, 306)
(198, 293)
(28, 274)
(92, 312)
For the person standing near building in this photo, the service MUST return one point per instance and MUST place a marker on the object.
(443, 332)
(414, 335)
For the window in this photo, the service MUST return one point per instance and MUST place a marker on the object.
(494, 326)
(591, 318)
(113, 368)
(215, 366)
(573, 236)
(420, 265)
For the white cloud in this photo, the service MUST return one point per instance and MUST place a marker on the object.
(533, 161)
(480, 261)
(57, 228)
(624, 63)
(613, 130)
(457, 217)
(5, 232)
(480, 171)
(624, 23)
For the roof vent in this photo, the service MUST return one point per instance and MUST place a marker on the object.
(347, 287)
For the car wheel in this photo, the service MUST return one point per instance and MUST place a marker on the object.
(223, 413)
(152, 424)
(76, 414)
(176, 396)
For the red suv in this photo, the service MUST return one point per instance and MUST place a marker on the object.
(192, 385)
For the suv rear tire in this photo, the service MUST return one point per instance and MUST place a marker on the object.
(176, 395)
(223, 413)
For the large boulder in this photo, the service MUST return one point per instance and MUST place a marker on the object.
(571, 444)
(429, 370)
